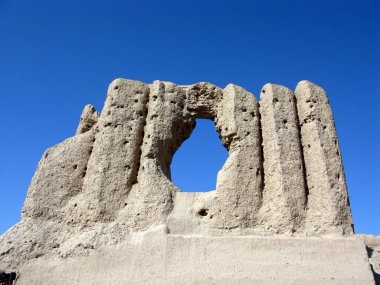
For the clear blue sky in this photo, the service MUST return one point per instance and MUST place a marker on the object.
(58, 56)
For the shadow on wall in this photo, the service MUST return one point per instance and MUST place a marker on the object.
(375, 274)
(196, 163)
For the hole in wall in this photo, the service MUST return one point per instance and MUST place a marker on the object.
(203, 212)
(196, 163)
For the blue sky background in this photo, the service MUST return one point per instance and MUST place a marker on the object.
(58, 56)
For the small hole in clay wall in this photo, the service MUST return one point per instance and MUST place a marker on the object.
(203, 212)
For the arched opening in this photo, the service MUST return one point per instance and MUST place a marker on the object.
(196, 163)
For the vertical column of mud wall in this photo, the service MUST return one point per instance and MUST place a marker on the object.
(113, 165)
(284, 194)
(167, 125)
(58, 178)
(239, 183)
(328, 205)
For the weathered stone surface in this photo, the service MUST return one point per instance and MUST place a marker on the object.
(328, 205)
(284, 198)
(114, 162)
(88, 119)
(59, 177)
(240, 181)
(167, 125)
(93, 196)
(373, 249)
(235, 203)
(156, 257)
